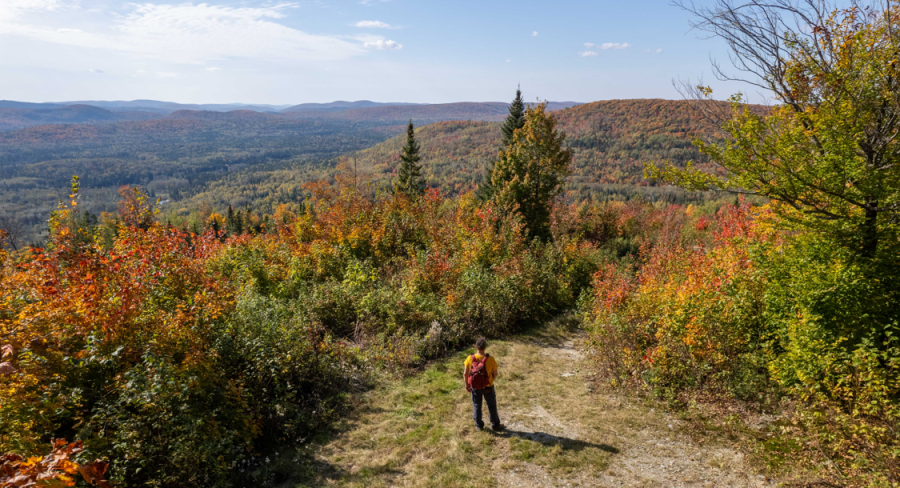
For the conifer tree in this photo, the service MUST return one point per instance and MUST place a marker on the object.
(234, 222)
(229, 220)
(515, 120)
(530, 173)
(409, 178)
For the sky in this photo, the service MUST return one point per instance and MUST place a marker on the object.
(222, 51)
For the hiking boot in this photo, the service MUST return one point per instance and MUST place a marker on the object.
(498, 427)
(479, 429)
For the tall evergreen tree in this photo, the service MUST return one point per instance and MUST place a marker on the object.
(515, 120)
(530, 173)
(409, 179)
(229, 220)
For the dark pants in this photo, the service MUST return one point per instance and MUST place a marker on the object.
(491, 398)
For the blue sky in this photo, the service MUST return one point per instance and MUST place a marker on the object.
(222, 51)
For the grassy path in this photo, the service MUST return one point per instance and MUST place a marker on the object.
(418, 432)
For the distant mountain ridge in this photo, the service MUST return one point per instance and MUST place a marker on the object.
(146, 106)
(340, 105)
(426, 113)
(174, 107)
(18, 118)
(19, 115)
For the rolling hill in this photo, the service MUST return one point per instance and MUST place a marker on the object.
(12, 118)
(19, 115)
(246, 157)
(425, 113)
(611, 141)
(339, 105)
(168, 107)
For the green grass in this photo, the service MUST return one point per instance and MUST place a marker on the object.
(419, 431)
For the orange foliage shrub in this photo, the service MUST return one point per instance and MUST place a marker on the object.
(184, 358)
(55, 469)
(690, 314)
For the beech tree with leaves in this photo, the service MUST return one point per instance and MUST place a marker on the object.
(529, 173)
(515, 120)
(827, 155)
(409, 178)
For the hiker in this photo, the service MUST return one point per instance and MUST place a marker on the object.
(481, 371)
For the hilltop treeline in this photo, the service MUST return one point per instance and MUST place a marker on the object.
(611, 141)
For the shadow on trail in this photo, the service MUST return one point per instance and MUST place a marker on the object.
(553, 440)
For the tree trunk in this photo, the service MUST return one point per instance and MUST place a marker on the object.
(870, 230)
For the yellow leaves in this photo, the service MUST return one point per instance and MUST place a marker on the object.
(215, 219)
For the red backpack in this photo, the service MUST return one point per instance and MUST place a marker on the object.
(478, 374)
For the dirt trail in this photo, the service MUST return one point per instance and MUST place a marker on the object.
(419, 431)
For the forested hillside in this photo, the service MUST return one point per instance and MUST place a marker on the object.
(611, 141)
(278, 300)
(18, 118)
(191, 158)
(422, 114)
(170, 157)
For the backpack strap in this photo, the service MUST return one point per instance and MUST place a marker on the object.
(475, 360)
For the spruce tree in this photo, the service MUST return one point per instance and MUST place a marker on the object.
(515, 120)
(229, 220)
(409, 179)
(530, 173)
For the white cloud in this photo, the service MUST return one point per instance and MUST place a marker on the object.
(166, 74)
(15, 9)
(213, 68)
(659, 50)
(201, 32)
(586, 54)
(608, 45)
(534, 34)
(184, 33)
(374, 24)
(382, 44)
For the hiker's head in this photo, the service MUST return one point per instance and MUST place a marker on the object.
(481, 344)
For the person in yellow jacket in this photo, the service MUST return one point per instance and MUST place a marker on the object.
(481, 371)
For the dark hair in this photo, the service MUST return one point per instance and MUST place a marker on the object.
(481, 343)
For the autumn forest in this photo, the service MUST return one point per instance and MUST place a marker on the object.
(205, 298)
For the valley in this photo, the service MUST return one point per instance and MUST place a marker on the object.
(190, 158)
